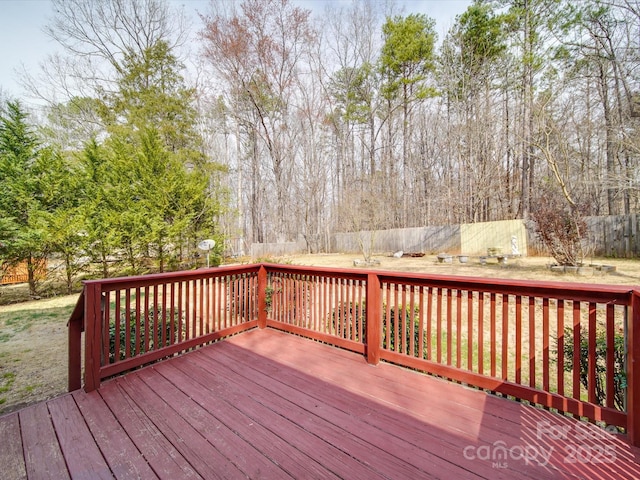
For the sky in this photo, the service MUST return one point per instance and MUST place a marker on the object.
(23, 42)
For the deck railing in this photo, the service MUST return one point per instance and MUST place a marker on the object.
(565, 346)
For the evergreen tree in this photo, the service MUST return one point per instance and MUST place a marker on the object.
(22, 195)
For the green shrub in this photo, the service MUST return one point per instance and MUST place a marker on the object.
(358, 312)
(619, 379)
(155, 331)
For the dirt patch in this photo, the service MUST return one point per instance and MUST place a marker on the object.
(33, 335)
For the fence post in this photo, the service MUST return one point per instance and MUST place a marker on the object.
(633, 370)
(374, 310)
(262, 297)
(93, 317)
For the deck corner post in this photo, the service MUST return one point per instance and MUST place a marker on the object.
(262, 297)
(75, 328)
(92, 309)
(374, 300)
(633, 370)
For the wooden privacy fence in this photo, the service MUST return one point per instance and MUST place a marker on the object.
(19, 274)
(570, 347)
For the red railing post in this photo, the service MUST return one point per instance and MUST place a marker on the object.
(374, 309)
(76, 326)
(633, 370)
(92, 309)
(262, 297)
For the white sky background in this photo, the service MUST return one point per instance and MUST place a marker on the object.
(23, 42)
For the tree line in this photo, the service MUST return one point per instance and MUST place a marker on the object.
(364, 119)
(293, 123)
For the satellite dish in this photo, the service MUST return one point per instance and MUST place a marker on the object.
(207, 245)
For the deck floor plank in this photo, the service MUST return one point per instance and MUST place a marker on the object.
(123, 457)
(11, 458)
(202, 456)
(43, 456)
(308, 441)
(165, 460)
(236, 450)
(397, 451)
(414, 396)
(266, 404)
(386, 427)
(504, 421)
(82, 455)
(199, 388)
(396, 422)
(460, 410)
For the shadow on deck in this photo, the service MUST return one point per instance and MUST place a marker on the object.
(267, 404)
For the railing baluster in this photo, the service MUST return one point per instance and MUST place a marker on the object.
(336, 308)
(591, 382)
(217, 304)
(106, 321)
(387, 316)
(173, 315)
(138, 336)
(127, 324)
(421, 322)
(156, 318)
(576, 349)
(145, 347)
(450, 294)
(469, 330)
(412, 323)
(361, 332)
(439, 326)
(532, 341)
(560, 336)
(545, 344)
(610, 360)
(182, 318)
(396, 317)
(348, 312)
(201, 314)
(505, 336)
(401, 323)
(458, 328)
(116, 319)
(480, 332)
(429, 323)
(163, 333)
(492, 322)
(518, 346)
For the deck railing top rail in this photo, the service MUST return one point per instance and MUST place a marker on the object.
(586, 291)
(573, 347)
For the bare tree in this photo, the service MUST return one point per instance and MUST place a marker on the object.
(95, 37)
(259, 54)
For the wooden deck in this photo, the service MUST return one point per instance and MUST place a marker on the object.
(266, 404)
